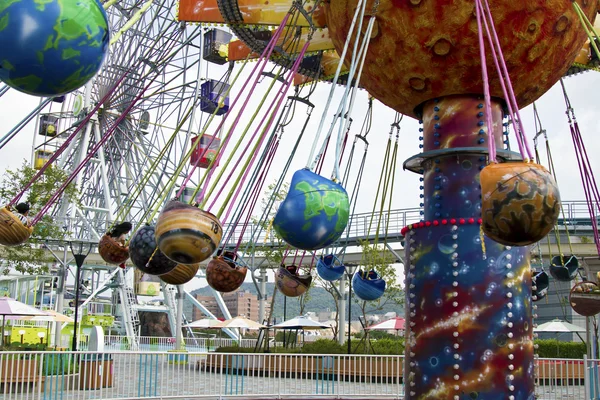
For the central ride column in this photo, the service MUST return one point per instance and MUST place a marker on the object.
(468, 301)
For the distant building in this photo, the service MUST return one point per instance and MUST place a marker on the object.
(239, 303)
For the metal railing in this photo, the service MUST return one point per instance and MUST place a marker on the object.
(115, 343)
(361, 225)
(140, 375)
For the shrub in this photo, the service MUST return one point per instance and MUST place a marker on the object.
(552, 348)
(324, 346)
(388, 346)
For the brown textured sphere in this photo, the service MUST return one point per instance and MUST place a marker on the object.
(520, 202)
(181, 274)
(224, 276)
(424, 49)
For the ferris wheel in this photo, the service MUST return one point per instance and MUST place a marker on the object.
(128, 130)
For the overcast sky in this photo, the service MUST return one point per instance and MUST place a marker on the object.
(15, 106)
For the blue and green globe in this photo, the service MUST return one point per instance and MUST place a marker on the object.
(51, 47)
(314, 213)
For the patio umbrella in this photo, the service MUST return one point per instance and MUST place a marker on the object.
(396, 324)
(240, 323)
(205, 323)
(50, 316)
(557, 326)
(11, 307)
(301, 322)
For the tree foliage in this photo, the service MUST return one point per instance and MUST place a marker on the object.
(30, 257)
(381, 260)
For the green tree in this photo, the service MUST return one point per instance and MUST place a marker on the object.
(330, 287)
(30, 257)
(380, 259)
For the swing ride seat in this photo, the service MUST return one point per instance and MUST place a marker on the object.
(314, 213)
(144, 254)
(187, 234)
(12, 230)
(224, 275)
(181, 274)
(368, 289)
(291, 285)
(564, 268)
(584, 298)
(112, 251)
(541, 281)
(330, 268)
(520, 202)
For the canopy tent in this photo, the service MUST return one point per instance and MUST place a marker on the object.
(394, 324)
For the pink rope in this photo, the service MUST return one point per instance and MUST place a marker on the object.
(260, 66)
(512, 97)
(520, 138)
(254, 199)
(588, 183)
(281, 95)
(486, 86)
(64, 146)
(91, 153)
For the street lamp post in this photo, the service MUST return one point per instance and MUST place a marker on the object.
(350, 269)
(79, 253)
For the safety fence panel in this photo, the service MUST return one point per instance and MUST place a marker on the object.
(170, 375)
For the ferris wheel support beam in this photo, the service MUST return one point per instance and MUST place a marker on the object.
(106, 190)
(82, 150)
(206, 312)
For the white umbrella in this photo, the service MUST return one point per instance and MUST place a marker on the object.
(301, 322)
(51, 316)
(558, 326)
(240, 323)
(205, 323)
(11, 307)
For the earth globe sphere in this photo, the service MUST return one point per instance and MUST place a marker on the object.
(49, 48)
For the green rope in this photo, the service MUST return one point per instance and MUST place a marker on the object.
(167, 189)
(389, 210)
(237, 145)
(588, 27)
(383, 169)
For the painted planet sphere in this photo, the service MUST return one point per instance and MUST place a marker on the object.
(520, 202)
(51, 47)
(425, 49)
(314, 213)
(144, 254)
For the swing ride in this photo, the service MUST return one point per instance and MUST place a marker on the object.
(191, 189)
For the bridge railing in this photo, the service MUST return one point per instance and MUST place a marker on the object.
(361, 225)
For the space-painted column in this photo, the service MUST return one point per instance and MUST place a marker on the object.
(468, 304)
